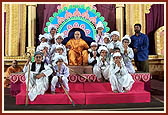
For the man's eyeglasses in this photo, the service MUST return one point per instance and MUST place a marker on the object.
(38, 57)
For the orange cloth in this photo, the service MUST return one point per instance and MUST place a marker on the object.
(8, 72)
(78, 53)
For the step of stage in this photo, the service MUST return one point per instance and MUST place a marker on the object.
(89, 93)
(81, 69)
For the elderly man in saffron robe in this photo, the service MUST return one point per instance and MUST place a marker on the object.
(78, 54)
(14, 68)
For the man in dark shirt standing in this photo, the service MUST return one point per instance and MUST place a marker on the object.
(140, 44)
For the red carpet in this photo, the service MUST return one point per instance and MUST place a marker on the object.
(89, 93)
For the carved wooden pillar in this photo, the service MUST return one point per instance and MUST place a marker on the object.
(120, 19)
(31, 27)
(15, 34)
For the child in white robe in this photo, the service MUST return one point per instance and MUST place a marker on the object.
(43, 39)
(127, 54)
(101, 68)
(38, 76)
(59, 38)
(99, 36)
(107, 39)
(61, 72)
(51, 38)
(44, 49)
(115, 35)
(93, 54)
(60, 51)
(120, 79)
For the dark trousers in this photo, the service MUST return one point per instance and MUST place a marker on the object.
(142, 66)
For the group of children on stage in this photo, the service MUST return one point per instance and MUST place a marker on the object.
(111, 60)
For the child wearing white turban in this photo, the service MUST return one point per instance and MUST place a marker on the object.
(101, 68)
(99, 36)
(115, 35)
(120, 79)
(127, 54)
(61, 73)
(93, 54)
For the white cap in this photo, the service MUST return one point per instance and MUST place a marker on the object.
(59, 34)
(116, 54)
(126, 37)
(99, 24)
(59, 46)
(102, 48)
(116, 33)
(42, 36)
(107, 35)
(43, 45)
(51, 26)
(58, 57)
(93, 43)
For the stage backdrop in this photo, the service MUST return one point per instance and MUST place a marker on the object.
(154, 20)
(44, 11)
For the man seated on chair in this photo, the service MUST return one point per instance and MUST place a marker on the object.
(37, 75)
(14, 68)
(78, 54)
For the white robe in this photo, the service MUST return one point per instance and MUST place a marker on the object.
(119, 78)
(37, 86)
(64, 48)
(52, 49)
(64, 72)
(100, 70)
(91, 59)
(99, 39)
(128, 59)
(117, 44)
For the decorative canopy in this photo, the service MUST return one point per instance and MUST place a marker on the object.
(76, 16)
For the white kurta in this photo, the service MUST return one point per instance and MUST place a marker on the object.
(64, 48)
(37, 86)
(100, 69)
(117, 44)
(99, 39)
(64, 72)
(52, 49)
(127, 58)
(120, 78)
(91, 59)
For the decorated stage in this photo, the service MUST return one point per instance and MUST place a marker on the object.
(83, 91)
